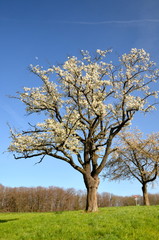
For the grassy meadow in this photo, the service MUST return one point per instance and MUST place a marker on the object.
(115, 223)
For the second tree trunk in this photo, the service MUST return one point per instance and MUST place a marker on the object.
(145, 195)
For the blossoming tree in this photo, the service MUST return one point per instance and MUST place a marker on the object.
(135, 158)
(86, 104)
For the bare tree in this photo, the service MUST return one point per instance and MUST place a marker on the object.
(88, 102)
(135, 158)
(24, 199)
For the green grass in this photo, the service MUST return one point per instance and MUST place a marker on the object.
(116, 223)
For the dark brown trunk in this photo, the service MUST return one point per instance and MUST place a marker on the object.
(145, 195)
(91, 186)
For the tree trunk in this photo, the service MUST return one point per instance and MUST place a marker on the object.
(91, 186)
(145, 195)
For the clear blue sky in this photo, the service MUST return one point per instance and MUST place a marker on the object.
(51, 30)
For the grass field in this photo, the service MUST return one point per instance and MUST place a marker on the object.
(116, 223)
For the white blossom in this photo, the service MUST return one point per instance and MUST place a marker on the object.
(89, 91)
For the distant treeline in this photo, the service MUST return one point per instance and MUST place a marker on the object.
(41, 199)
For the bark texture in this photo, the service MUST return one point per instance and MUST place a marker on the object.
(92, 184)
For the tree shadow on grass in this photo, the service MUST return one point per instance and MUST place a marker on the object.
(58, 212)
(8, 220)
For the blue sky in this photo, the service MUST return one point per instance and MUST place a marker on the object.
(46, 32)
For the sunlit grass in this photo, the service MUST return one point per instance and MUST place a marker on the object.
(125, 223)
